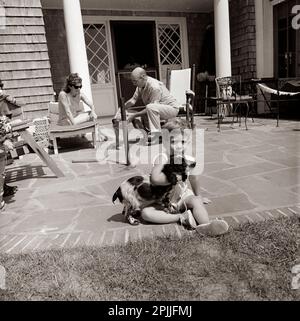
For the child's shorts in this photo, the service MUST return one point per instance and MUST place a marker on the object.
(180, 206)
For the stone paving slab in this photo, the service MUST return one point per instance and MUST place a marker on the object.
(258, 148)
(67, 200)
(280, 158)
(45, 223)
(284, 178)
(100, 218)
(213, 156)
(217, 187)
(296, 189)
(243, 171)
(264, 193)
(240, 159)
(230, 203)
(215, 167)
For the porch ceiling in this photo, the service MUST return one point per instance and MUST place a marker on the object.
(139, 5)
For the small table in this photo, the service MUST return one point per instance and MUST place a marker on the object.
(22, 129)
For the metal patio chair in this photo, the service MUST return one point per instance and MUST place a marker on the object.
(230, 101)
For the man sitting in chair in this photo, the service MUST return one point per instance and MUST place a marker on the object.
(160, 104)
(70, 111)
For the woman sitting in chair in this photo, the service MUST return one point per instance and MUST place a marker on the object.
(70, 109)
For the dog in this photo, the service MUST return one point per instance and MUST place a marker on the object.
(137, 192)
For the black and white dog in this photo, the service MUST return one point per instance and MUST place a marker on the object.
(137, 192)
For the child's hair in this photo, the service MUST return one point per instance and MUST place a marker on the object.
(72, 80)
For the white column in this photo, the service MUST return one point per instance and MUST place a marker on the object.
(76, 44)
(222, 38)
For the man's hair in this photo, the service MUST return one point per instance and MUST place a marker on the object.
(139, 72)
(72, 80)
(1, 84)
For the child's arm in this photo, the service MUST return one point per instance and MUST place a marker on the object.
(157, 177)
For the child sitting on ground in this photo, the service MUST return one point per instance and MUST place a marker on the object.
(185, 208)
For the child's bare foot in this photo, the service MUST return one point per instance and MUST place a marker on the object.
(214, 228)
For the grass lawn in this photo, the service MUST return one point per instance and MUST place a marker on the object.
(252, 262)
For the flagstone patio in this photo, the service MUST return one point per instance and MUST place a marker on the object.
(249, 176)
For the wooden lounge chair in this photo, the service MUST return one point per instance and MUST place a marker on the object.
(56, 131)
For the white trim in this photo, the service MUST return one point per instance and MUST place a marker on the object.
(134, 18)
(157, 50)
(113, 84)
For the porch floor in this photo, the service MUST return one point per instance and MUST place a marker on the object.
(249, 176)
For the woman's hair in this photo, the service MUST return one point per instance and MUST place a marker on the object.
(72, 80)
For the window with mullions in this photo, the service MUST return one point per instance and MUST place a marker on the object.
(170, 44)
(97, 53)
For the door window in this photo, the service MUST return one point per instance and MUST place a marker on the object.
(170, 40)
(170, 44)
(98, 53)
(286, 39)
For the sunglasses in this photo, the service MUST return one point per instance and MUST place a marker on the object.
(78, 87)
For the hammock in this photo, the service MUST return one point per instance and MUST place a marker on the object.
(269, 90)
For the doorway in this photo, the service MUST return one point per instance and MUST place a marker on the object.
(286, 41)
(134, 44)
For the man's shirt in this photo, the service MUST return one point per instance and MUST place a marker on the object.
(155, 92)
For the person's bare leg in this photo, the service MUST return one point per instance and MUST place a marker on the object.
(158, 216)
(81, 118)
(153, 215)
(195, 204)
(195, 184)
(196, 187)
(206, 227)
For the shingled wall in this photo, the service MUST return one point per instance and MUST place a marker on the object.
(24, 61)
(243, 38)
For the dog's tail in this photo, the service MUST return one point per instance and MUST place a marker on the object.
(118, 195)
